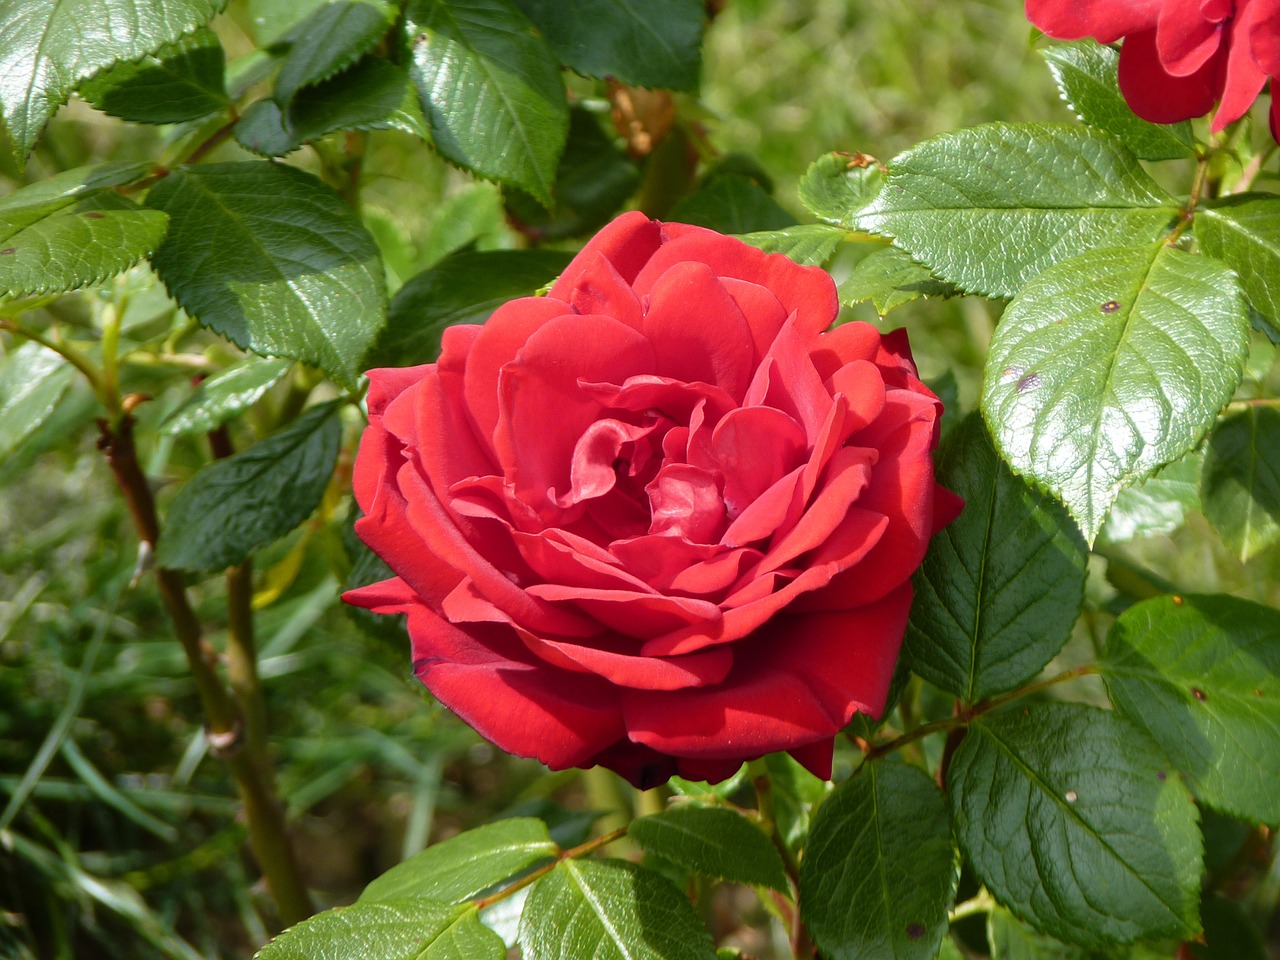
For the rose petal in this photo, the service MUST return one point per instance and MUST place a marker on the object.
(1244, 78)
(628, 243)
(686, 501)
(1104, 20)
(1185, 38)
(632, 672)
(632, 613)
(754, 447)
(1156, 95)
(786, 380)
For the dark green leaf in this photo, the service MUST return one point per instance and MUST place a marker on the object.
(879, 870)
(713, 841)
(610, 910)
(654, 43)
(1010, 939)
(1001, 586)
(1087, 79)
(408, 929)
(732, 203)
(332, 37)
(1240, 484)
(796, 793)
(51, 45)
(709, 792)
(464, 287)
(889, 278)
(1202, 676)
(72, 230)
(490, 88)
(32, 380)
(224, 395)
(1159, 504)
(1108, 366)
(232, 507)
(837, 185)
(990, 207)
(811, 244)
(1244, 230)
(271, 258)
(594, 179)
(375, 94)
(1074, 822)
(463, 866)
(182, 81)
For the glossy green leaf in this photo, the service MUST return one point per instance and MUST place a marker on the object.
(81, 237)
(610, 910)
(1201, 674)
(1244, 231)
(237, 505)
(1010, 939)
(1109, 365)
(989, 207)
(796, 794)
(271, 258)
(811, 244)
(837, 185)
(879, 870)
(407, 929)
(1075, 823)
(32, 380)
(1158, 504)
(1087, 76)
(733, 203)
(889, 278)
(272, 19)
(713, 841)
(224, 395)
(1001, 586)
(490, 88)
(329, 39)
(182, 81)
(467, 864)
(464, 287)
(375, 94)
(655, 43)
(1240, 484)
(51, 45)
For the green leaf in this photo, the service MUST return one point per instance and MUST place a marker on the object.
(654, 43)
(1010, 939)
(464, 287)
(1244, 230)
(1159, 504)
(467, 864)
(408, 929)
(73, 230)
(889, 278)
(1240, 484)
(990, 207)
(879, 870)
(1001, 586)
(610, 910)
(375, 94)
(837, 185)
(329, 39)
(594, 179)
(223, 395)
(232, 507)
(713, 841)
(182, 81)
(271, 258)
(490, 88)
(1087, 76)
(733, 203)
(1202, 676)
(1072, 820)
(796, 794)
(1109, 365)
(272, 19)
(32, 380)
(811, 244)
(51, 45)
(1229, 932)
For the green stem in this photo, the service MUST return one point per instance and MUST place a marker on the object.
(64, 350)
(982, 903)
(580, 850)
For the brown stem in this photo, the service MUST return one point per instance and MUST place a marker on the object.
(263, 811)
(581, 850)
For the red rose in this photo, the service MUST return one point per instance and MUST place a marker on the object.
(1179, 57)
(656, 520)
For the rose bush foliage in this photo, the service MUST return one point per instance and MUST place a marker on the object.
(1179, 57)
(657, 520)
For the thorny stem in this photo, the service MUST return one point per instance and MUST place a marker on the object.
(580, 850)
(263, 811)
(967, 715)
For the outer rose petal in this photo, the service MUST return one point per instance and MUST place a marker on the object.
(1185, 38)
(1104, 20)
(1264, 37)
(1156, 95)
